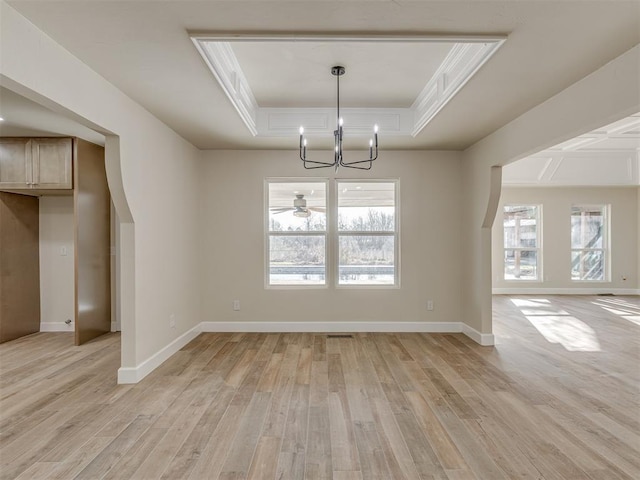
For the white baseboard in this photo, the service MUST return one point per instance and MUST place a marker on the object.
(135, 374)
(57, 327)
(332, 327)
(564, 291)
(484, 339)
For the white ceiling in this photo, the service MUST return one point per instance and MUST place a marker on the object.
(297, 74)
(609, 155)
(143, 47)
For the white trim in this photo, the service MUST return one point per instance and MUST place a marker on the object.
(285, 122)
(57, 327)
(484, 339)
(565, 291)
(467, 55)
(224, 66)
(333, 327)
(135, 374)
(214, 36)
(462, 63)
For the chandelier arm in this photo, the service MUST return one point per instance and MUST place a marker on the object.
(369, 160)
(316, 162)
(351, 165)
(322, 165)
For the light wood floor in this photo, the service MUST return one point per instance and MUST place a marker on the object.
(556, 398)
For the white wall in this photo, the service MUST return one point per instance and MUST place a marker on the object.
(233, 259)
(57, 302)
(556, 205)
(152, 174)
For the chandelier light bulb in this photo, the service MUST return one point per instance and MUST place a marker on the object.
(341, 121)
(305, 142)
(301, 130)
(375, 128)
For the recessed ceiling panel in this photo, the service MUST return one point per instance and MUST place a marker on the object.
(277, 84)
(298, 74)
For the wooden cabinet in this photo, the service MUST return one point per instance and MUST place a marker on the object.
(31, 167)
(35, 164)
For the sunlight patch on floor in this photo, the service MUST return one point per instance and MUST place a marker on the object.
(573, 334)
(557, 325)
(537, 302)
(623, 308)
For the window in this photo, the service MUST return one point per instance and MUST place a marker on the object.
(588, 242)
(352, 239)
(367, 233)
(297, 233)
(521, 225)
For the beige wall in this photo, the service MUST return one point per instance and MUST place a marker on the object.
(152, 174)
(606, 95)
(233, 260)
(556, 205)
(57, 302)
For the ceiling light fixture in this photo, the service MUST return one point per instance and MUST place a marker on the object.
(338, 159)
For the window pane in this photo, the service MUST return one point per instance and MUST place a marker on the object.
(366, 206)
(520, 226)
(297, 260)
(520, 264)
(587, 265)
(587, 227)
(366, 260)
(297, 206)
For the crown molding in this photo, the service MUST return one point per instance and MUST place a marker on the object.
(599, 168)
(224, 65)
(462, 62)
(466, 57)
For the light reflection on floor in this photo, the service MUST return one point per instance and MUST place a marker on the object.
(624, 308)
(558, 326)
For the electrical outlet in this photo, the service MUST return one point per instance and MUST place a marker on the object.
(63, 251)
(172, 320)
(429, 304)
(236, 305)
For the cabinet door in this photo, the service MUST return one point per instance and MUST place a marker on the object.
(20, 262)
(15, 163)
(51, 162)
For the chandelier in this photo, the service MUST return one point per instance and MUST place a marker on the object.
(338, 159)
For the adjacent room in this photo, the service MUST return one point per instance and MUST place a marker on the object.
(319, 240)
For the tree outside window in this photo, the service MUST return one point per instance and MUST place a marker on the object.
(521, 242)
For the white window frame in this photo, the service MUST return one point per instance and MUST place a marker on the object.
(312, 233)
(331, 233)
(605, 208)
(336, 234)
(538, 248)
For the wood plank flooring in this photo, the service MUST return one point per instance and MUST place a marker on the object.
(556, 398)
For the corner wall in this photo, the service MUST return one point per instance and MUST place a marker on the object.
(606, 95)
(153, 179)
